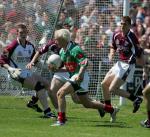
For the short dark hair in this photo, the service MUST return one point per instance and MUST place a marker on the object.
(21, 25)
(127, 19)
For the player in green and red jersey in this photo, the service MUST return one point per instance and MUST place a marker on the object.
(76, 63)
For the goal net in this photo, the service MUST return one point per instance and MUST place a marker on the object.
(40, 16)
(91, 23)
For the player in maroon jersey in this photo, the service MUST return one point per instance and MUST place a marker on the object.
(126, 44)
(15, 57)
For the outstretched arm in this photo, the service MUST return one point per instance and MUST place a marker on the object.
(34, 59)
(14, 72)
(51, 45)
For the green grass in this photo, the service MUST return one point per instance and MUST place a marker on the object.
(16, 120)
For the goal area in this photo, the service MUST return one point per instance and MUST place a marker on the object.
(91, 23)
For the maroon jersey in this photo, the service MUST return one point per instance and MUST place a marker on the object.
(126, 45)
(51, 45)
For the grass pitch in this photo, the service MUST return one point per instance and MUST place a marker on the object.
(16, 120)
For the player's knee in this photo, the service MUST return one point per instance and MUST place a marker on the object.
(39, 86)
(60, 94)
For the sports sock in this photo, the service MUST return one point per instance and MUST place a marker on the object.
(132, 97)
(47, 110)
(34, 99)
(61, 117)
(108, 108)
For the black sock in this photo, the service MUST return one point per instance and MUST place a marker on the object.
(34, 99)
(47, 110)
(132, 97)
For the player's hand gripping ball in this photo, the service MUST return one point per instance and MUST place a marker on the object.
(54, 62)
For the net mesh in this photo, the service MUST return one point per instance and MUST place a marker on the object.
(40, 17)
(91, 22)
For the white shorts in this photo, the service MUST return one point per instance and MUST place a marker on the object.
(62, 76)
(124, 70)
(84, 84)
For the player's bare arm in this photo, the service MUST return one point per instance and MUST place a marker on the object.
(34, 59)
(80, 76)
(111, 54)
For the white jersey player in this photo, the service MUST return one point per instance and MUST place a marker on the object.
(15, 57)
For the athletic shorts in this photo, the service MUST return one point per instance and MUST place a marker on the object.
(83, 85)
(124, 70)
(62, 76)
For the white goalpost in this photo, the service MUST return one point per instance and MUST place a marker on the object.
(125, 13)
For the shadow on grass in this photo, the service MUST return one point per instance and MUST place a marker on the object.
(98, 123)
(12, 107)
(116, 124)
